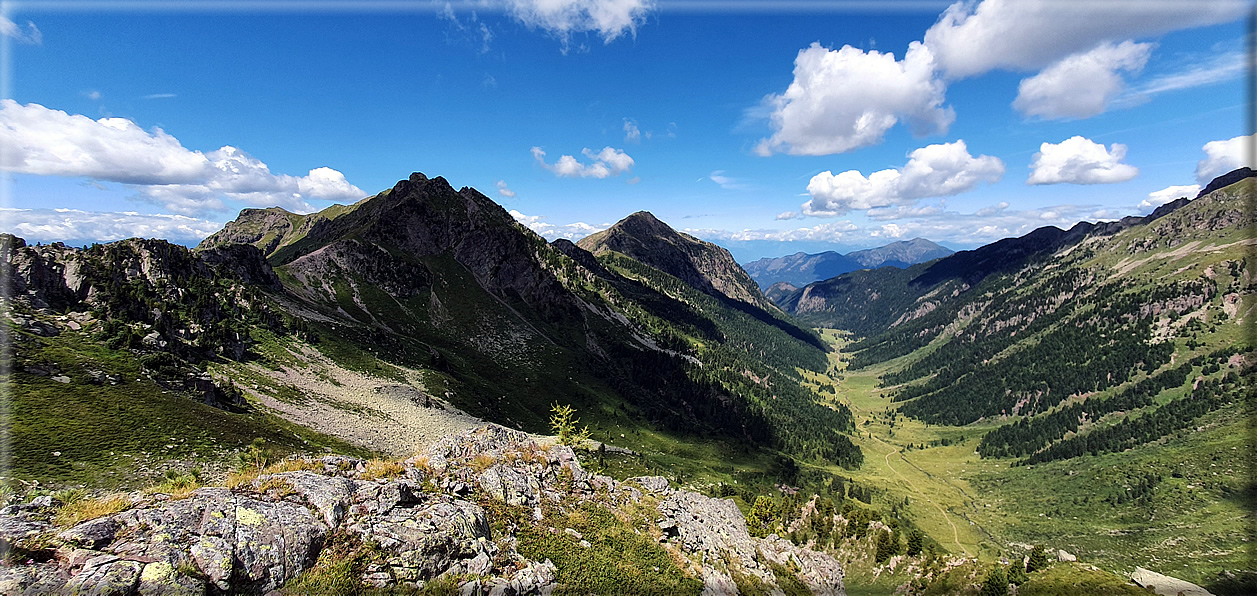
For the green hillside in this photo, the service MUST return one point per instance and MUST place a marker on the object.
(1090, 394)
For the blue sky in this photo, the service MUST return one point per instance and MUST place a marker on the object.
(766, 127)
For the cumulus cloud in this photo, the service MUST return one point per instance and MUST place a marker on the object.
(932, 171)
(48, 142)
(549, 231)
(1223, 156)
(1081, 85)
(29, 35)
(845, 99)
(79, 227)
(787, 215)
(606, 163)
(1167, 194)
(505, 190)
(632, 134)
(562, 18)
(972, 38)
(1079, 160)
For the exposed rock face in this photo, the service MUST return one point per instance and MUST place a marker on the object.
(242, 261)
(427, 521)
(703, 265)
(1166, 585)
(142, 281)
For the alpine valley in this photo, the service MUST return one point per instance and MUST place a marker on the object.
(417, 394)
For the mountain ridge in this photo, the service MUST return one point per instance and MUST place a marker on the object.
(706, 266)
(800, 269)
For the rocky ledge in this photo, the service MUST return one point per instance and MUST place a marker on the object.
(427, 519)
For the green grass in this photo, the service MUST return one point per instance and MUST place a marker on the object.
(1073, 579)
(622, 558)
(102, 435)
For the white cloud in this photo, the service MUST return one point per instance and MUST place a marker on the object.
(1207, 71)
(1079, 160)
(606, 163)
(902, 212)
(1081, 85)
(505, 190)
(972, 229)
(845, 99)
(992, 210)
(932, 171)
(562, 18)
(972, 38)
(1167, 194)
(12, 30)
(160, 96)
(48, 142)
(74, 226)
(572, 231)
(473, 32)
(787, 215)
(631, 133)
(727, 182)
(1223, 156)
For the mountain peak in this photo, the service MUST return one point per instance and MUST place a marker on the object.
(703, 265)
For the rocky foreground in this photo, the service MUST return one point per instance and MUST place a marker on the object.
(447, 517)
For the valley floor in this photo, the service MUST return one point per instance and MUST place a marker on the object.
(987, 509)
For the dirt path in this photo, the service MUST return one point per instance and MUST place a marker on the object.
(954, 530)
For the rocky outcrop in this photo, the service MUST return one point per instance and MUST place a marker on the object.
(243, 262)
(426, 520)
(164, 293)
(1166, 585)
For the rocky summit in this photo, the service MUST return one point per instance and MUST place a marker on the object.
(464, 516)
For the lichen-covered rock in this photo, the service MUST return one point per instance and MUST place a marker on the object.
(714, 530)
(331, 495)
(654, 484)
(511, 485)
(47, 578)
(107, 575)
(91, 534)
(425, 523)
(821, 573)
(274, 542)
(428, 538)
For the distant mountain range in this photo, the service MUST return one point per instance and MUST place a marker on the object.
(801, 268)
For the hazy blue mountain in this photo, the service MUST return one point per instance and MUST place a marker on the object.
(800, 269)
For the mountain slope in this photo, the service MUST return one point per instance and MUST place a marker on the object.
(801, 268)
(702, 265)
(1099, 375)
(428, 297)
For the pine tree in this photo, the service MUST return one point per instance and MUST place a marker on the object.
(996, 582)
(763, 517)
(1038, 559)
(1017, 574)
(885, 546)
(915, 538)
